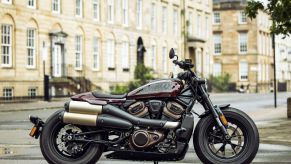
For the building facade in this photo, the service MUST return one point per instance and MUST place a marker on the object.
(88, 44)
(242, 47)
(283, 62)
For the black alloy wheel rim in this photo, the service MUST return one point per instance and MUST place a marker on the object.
(57, 139)
(227, 148)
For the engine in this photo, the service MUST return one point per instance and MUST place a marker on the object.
(156, 109)
(153, 109)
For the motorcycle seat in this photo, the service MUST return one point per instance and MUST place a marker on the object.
(108, 96)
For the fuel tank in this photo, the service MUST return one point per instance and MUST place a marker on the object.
(157, 89)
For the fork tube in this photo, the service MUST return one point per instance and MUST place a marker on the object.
(210, 106)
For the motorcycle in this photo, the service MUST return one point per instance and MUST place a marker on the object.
(154, 122)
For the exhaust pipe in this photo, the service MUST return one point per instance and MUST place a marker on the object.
(82, 107)
(84, 113)
(95, 120)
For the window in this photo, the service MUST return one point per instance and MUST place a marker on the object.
(154, 55)
(6, 42)
(7, 1)
(190, 23)
(198, 57)
(175, 22)
(30, 45)
(216, 18)
(217, 69)
(96, 10)
(153, 17)
(217, 44)
(164, 59)
(164, 20)
(31, 4)
(242, 17)
(110, 11)
(32, 92)
(125, 12)
(243, 42)
(8, 93)
(206, 27)
(243, 70)
(79, 8)
(56, 8)
(78, 49)
(199, 25)
(96, 53)
(110, 54)
(124, 55)
(139, 14)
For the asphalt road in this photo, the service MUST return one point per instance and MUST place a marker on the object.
(17, 147)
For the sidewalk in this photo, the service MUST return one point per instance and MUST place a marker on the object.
(37, 105)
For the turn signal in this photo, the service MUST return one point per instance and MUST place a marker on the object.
(33, 131)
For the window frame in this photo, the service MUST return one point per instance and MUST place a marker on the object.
(139, 14)
(164, 19)
(31, 47)
(217, 73)
(242, 73)
(30, 92)
(78, 52)
(59, 6)
(7, 96)
(217, 37)
(164, 59)
(216, 18)
(154, 56)
(110, 11)
(153, 17)
(190, 24)
(34, 4)
(125, 55)
(96, 53)
(110, 54)
(96, 14)
(124, 12)
(9, 55)
(175, 21)
(80, 15)
(9, 2)
(243, 45)
(242, 16)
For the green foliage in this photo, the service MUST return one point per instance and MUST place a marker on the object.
(279, 10)
(142, 75)
(220, 83)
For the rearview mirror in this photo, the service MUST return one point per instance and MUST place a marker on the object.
(172, 54)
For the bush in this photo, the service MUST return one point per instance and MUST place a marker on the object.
(220, 83)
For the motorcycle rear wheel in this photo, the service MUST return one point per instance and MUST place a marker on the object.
(211, 147)
(51, 148)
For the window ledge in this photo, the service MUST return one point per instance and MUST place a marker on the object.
(111, 69)
(125, 69)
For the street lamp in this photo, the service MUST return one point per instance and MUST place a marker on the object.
(275, 81)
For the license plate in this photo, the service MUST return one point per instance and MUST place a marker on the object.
(33, 131)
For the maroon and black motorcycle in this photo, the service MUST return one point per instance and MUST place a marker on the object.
(151, 123)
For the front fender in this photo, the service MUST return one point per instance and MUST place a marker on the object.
(222, 107)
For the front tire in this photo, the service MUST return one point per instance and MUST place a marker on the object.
(51, 147)
(211, 147)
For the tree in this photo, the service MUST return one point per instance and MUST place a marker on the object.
(220, 83)
(279, 11)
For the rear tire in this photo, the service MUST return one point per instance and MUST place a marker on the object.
(202, 138)
(51, 151)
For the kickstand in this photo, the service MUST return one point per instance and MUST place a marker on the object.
(156, 162)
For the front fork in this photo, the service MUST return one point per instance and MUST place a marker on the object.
(216, 112)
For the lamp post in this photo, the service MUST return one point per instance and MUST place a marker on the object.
(275, 80)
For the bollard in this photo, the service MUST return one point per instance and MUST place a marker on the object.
(289, 107)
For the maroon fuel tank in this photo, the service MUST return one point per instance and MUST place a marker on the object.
(157, 89)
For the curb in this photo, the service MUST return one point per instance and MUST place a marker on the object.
(29, 109)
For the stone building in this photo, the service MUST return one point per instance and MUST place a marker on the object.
(87, 44)
(242, 47)
(283, 62)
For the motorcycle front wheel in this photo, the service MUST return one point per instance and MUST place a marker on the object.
(212, 147)
(57, 149)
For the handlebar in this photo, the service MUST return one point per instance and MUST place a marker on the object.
(184, 64)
